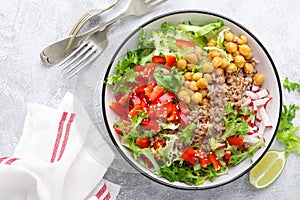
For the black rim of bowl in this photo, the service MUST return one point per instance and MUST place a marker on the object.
(200, 187)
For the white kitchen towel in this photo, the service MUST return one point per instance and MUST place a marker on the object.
(61, 155)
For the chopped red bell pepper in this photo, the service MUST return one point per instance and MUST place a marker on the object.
(135, 110)
(159, 59)
(184, 43)
(170, 61)
(189, 155)
(158, 144)
(118, 130)
(227, 155)
(203, 158)
(157, 92)
(174, 115)
(235, 141)
(214, 160)
(143, 142)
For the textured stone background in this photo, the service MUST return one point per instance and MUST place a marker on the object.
(26, 27)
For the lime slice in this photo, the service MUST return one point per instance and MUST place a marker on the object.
(267, 169)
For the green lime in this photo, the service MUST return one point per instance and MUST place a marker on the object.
(267, 170)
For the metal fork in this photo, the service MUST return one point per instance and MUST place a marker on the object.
(85, 18)
(96, 43)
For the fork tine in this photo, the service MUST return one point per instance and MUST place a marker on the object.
(154, 3)
(80, 58)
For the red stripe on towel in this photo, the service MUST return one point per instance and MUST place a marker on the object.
(101, 191)
(107, 197)
(66, 136)
(58, 137)
(3, 158)
(10, 161)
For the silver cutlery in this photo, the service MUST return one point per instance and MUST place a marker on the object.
(92, 43)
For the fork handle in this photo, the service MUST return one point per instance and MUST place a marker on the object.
(102, 27)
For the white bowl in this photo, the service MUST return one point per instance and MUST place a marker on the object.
(266, 66)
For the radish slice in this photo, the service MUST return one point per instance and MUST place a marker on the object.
(251, 138)
(260, 102)
(247, 102)
(261, 130)
(267, 103)
(221, 146)
(263, 93)
(255, 88)
(258, 117)
(265, 118)
(251, 95)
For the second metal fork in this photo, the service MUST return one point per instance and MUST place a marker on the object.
(97, 42)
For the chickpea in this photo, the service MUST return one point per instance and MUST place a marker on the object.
(258, 79)
(242, 40)
(189, 91)
(239, 61)
(214, 53)
(217, 61)
(231, 68)
(197, 76)
(225, 63)
(204, 101)
(203, 92)
(196, 98)
(199, 52)
(183, 96)
(244, 49)
(212, 43)
(228, 36)
(191, 58)
(208, 78)
(181, 64)
(186, 84)
(208, 67)
(202, 83)
(249, 56)
(231, 47)
(193, 86)
(188, 76)
(190, 67)
(248, 68)
(219, 72)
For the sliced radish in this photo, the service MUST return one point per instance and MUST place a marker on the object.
(258, 117)
(264, 117)
(247, 102)
(221, 146)
(251, 138)
(252, 130)
(267, 103)
(261, 130)
(263, 93)
(255, 88)
(251, 123)
(251, 95)
(260, 102)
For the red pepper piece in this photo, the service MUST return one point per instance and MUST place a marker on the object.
(159, 59)
(170, 61)
(214, 160)
(235, 141)
(189, 155)
(143, 142)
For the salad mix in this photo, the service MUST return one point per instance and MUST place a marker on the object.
(189, 101)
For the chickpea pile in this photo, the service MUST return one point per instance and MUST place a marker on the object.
(195, 88)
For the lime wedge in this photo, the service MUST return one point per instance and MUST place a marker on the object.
(267, 169)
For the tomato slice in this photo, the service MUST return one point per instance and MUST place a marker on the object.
(167, 97)
(143, 142)
(139, 68)
(184, 43)
(214, 160)
(235, 141)
(159, 59)
(151, 125)
(184, 108)
(117, 108)
(189, 155)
